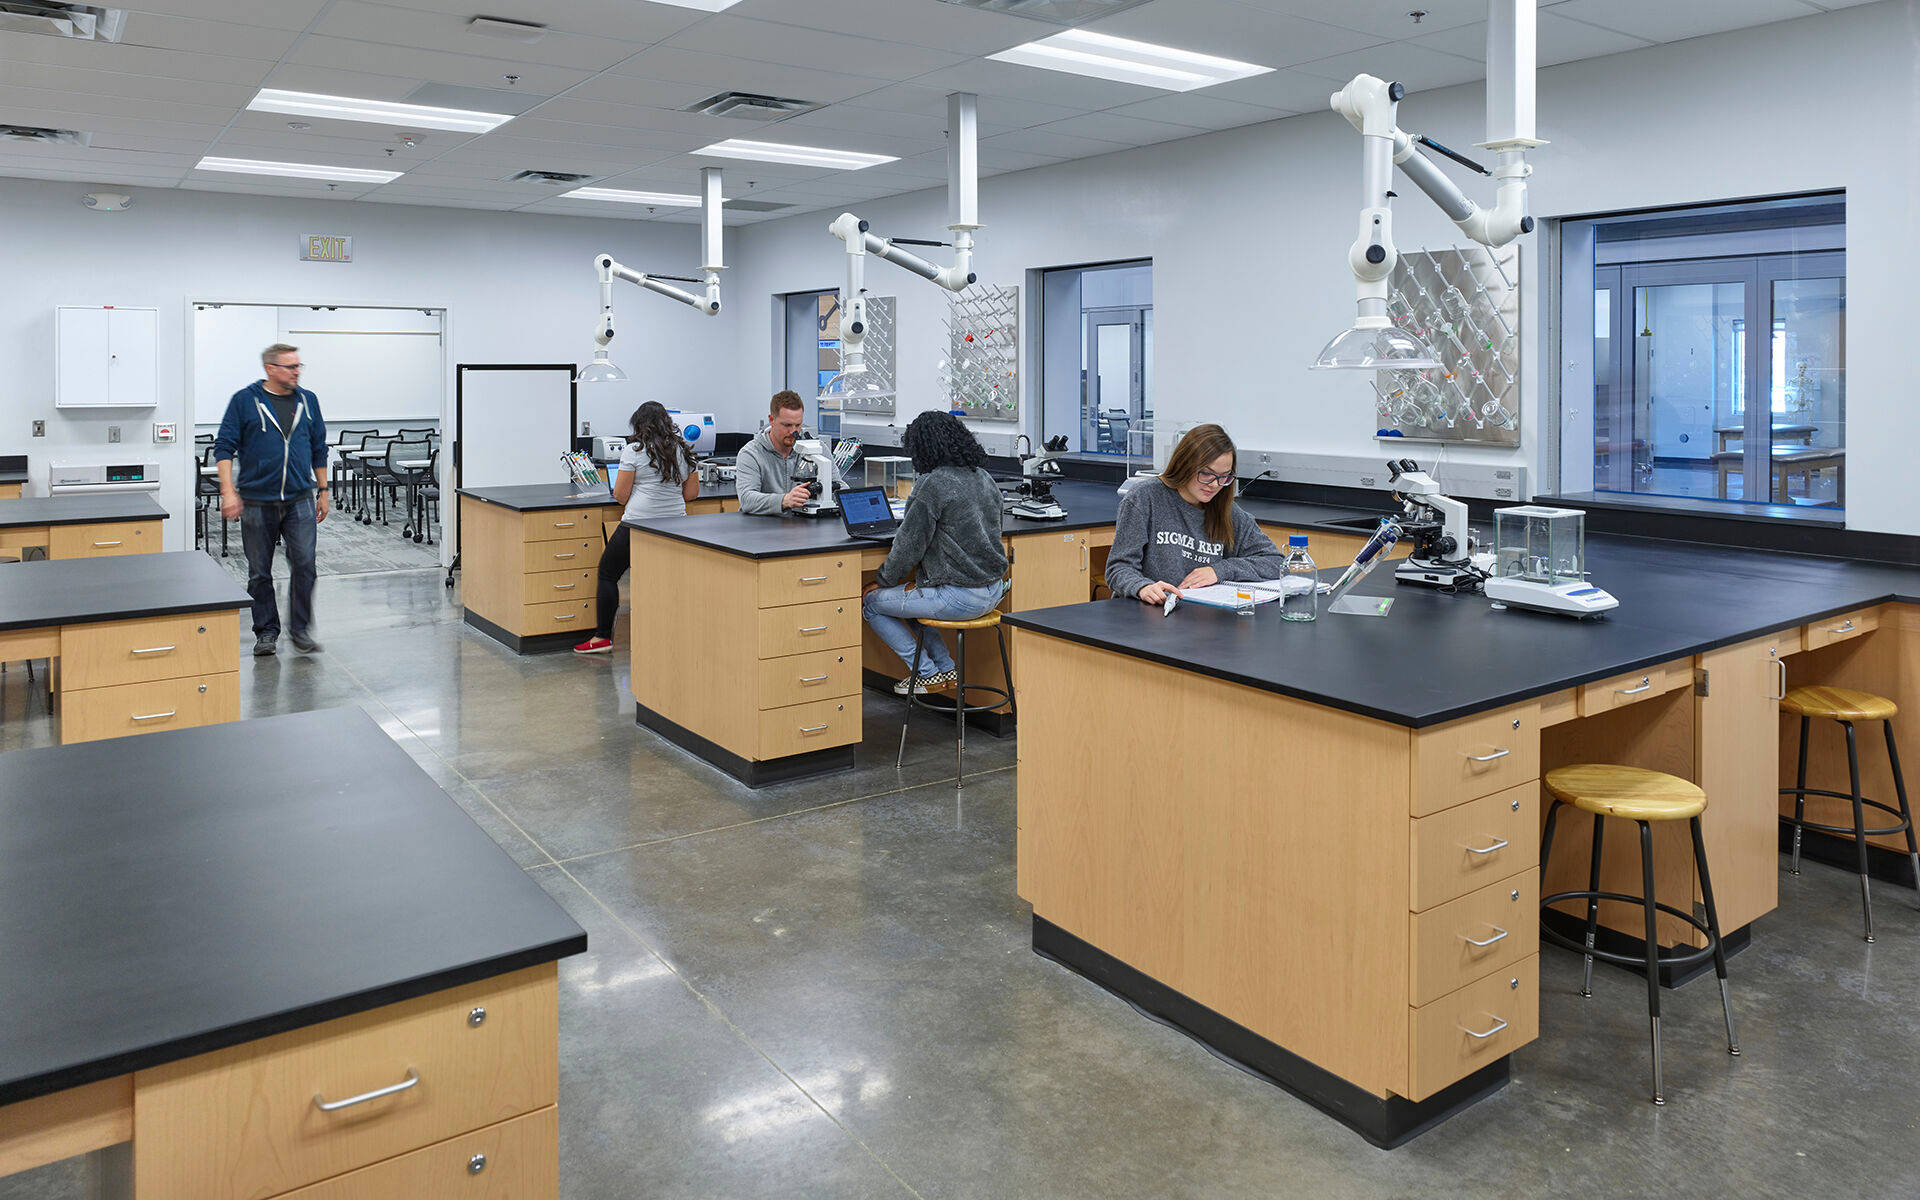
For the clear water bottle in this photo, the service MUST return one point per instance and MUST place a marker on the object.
(1302, 605)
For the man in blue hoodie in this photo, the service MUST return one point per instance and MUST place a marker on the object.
(274, 427)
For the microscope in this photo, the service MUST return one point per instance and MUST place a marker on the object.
(1037, 473)
(1437, 525)
(825, 481)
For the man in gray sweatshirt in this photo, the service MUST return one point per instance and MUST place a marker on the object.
(763, 470)
(1160, 537)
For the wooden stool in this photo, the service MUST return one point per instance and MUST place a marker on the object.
(1640, 796)
(1847, 707)
(988, 620)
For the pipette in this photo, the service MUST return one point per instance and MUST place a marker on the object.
(1369, 557)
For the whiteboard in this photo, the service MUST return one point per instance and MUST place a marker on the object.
(373, 366)
(514, 424)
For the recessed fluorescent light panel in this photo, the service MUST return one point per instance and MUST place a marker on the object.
(621, 196)
(701, 5)
(251, 166)
(1081, 52)
(378, 112)
(798, 156)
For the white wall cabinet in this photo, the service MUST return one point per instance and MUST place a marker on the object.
(105, 357)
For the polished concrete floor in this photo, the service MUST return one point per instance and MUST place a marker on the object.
(826, 989)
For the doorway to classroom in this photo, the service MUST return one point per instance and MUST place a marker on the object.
(379, 375)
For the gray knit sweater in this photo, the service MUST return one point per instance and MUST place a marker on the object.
(762, 476)
(951, 533)
(1160, 538)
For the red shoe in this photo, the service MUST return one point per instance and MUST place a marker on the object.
(595, 645)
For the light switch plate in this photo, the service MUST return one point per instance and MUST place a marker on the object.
(113, 433)
(39, 429)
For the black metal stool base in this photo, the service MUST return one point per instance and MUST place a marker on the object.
(960, 709)
(1858, 831)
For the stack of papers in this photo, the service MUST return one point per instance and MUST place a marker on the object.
(1227, 595)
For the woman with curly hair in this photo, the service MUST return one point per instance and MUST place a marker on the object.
(656, 479)
(949, 540)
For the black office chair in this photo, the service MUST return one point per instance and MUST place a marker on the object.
(396, 467)
(372, 457)
(347, 476)
(206, 494)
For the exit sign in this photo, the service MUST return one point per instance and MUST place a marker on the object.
(321, 247)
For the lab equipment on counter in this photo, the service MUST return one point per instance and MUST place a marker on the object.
(1300, 602)
(1037, 473)
(609, 449)
(1540, 556)
(696, 427)
(1443, 550)
(825, 482)
(1363, 563)
(602, 369)
(892, 472)
(585, 474)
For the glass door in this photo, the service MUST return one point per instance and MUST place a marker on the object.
(1113, 371)
(1804, 378)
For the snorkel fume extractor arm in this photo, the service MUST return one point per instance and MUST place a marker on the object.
(602, 370)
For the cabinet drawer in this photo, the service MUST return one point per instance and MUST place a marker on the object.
(1839, 629)
(560, 616)
(518, 1160)
(1470, 846)
(800, 678)
(1474, 757)
(1604, 694)
(99, 541)
(799, 728)
(130, 708)
(245, 1122)
(561, 523)
(1503, 1009)
(18, 537)
(562, 555)
(149, 648)
(544, 587)
(1458, 942)
(804, 628)
(801, 580)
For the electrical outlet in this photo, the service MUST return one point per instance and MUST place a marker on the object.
(586, 429)
(39, 429)
(113, 433)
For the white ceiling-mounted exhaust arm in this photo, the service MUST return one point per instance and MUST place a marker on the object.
(602, 369)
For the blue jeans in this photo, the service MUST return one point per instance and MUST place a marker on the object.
(886, 608)
(263, 525)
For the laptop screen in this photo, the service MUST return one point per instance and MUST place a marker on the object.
(865, 507)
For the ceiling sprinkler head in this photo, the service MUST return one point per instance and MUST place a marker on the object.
(298, 126)
(1417, 14)
(409, 140)
(511, 79)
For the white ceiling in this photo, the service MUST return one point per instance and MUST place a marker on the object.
(613, 73)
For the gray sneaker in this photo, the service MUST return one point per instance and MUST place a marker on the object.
(263, 647)
(304, 643)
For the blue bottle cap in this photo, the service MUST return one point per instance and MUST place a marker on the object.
(1296, 539)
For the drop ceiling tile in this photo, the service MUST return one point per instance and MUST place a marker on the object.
(721, 72)
(813, 49)
(642, 92)
(84, 158)
(89, 176)
(1111, 127)
(1054, 145)
(1200, 110)
(1831, 5)
(130, 60)
(13, 99)
(1387, 19)
(206, 37)
(496, 148)
(851, 118)
(625, 20)
(426, 141)
(630, 116)
(1232, 30)
(1664, 21)
(331, 81)
(988, 78)
(194, 146)
(263, 185)
(438, 67)
(997, 114)
(1420, 68)
(1291, 90)
(116, 123)
(128, 87)
(918, 22)
(993, 161)
(288, 146)
(1559, 40)
(240, 147)
(277, 14)
(534, 128)
(376, 197)
(450, 33)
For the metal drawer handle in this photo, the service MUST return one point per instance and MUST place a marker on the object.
(1847, 628)
(156, 716)
(565, 556)
(566, 616)
(813, 579)
(1498, 937)
(814, 729)
(120, 543)
(564, 524)
(1646, 685)
(1501, 753)
(1498, 1025)
(561, 587)
(154, 650)
(324, 1105)
(813, 629)
(1782, 664)
(1499, 843)
(813, 679)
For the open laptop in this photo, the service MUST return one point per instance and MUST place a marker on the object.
(868, 514)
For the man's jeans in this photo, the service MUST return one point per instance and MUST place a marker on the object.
(885, 609)
(263, 525)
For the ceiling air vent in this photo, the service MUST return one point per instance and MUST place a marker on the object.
(45, 137)
(749, 106)
(52, 18)
(554, 178)
(1059, 12)
(755, 206)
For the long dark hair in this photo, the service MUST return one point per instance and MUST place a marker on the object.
(667, 451)
(938, 439)
(1198, 447)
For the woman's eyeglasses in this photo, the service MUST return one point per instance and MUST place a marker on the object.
(1205, 476)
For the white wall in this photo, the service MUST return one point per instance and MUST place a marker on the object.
(517, 288)
(1248, 229)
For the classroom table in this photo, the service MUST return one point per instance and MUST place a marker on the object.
(750, 652)
(90, 525)
(1305, 863)
(1801, 434)
(214, 950)
(139, 643)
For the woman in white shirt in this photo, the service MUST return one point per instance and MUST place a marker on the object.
(656, 479)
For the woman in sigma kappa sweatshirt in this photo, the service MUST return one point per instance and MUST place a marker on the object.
(1183, 530)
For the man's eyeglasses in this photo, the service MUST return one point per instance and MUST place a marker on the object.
(1205, 476)
(288, 366)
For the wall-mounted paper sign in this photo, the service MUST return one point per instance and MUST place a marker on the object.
(323, 247)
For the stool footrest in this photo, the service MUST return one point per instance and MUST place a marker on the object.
(1843, 830)
(1687, 959)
